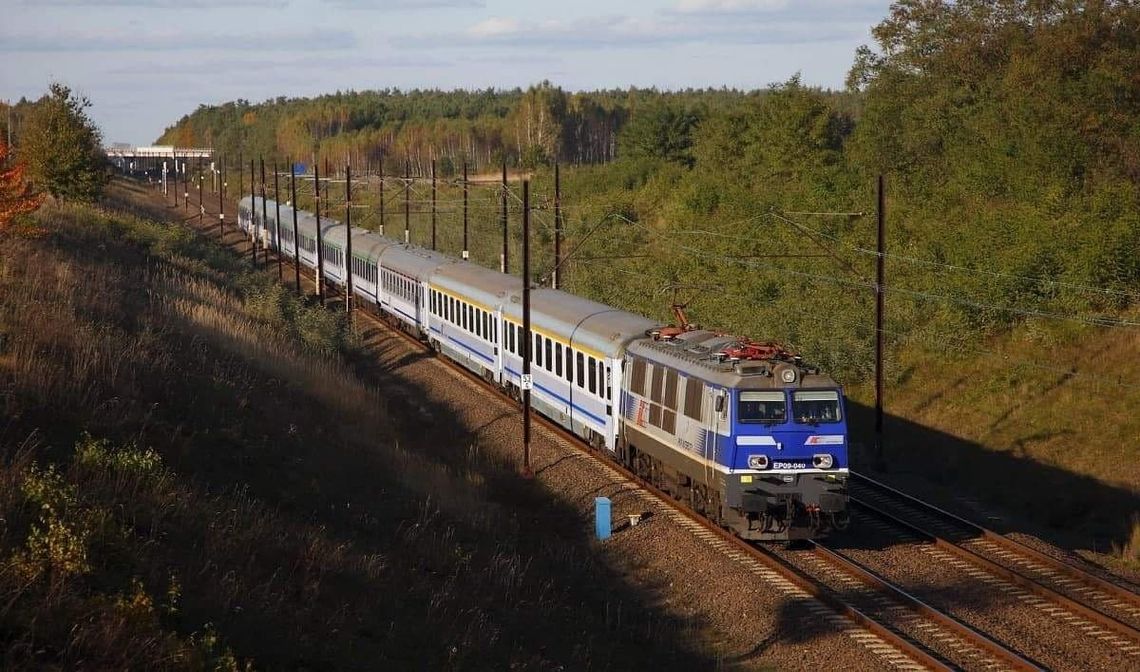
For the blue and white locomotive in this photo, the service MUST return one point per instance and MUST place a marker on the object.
(743, 431)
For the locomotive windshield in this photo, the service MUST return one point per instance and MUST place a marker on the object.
(766, 407)
(815, 406)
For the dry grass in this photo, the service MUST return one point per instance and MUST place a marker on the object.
(245, 499)
(1046, 429)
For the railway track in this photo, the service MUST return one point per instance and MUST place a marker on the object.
(901, 630)
(1096, 607)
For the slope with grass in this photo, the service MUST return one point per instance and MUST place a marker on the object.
(1039, 424)
(192, 477)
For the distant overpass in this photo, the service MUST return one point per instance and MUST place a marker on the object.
(157, 161)
(157, 152)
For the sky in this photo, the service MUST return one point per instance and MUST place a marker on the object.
(146, 63)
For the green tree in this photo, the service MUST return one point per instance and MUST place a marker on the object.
(660, 131)
(62, 147)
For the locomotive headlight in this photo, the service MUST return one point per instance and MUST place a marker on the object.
(757, 461)
(822, 461)
(788, 376)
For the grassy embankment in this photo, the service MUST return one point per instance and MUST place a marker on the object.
(1040, 423)
(193, 478)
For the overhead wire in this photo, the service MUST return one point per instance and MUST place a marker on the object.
(926, 296)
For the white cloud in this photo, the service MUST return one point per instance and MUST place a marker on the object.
(406, 5)
(494, 27)
(622, 32)
(175, 40)
(698, 6)
(158, 4)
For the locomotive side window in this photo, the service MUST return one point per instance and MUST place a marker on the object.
(762, 406)
(815, 406)
(669, 401)
(655, 385)
(637, 377)
(694, 393)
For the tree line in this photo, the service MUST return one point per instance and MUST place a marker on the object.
(1007, 130)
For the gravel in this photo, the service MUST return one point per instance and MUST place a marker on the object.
(1032, 627)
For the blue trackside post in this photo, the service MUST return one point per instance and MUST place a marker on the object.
(602, 517)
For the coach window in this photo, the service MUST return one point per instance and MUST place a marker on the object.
(609, 386)
(580, 369)
(593, 375)
(558, 359)
(538, 350)
(549, 360)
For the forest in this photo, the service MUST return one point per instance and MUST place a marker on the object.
(1008, 133)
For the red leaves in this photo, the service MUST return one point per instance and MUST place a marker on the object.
(16, 197)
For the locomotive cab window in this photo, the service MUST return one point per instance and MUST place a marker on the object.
(767, 407)
(815, 406)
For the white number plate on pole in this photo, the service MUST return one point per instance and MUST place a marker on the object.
(527, 382)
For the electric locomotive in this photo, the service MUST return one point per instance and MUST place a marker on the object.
(746, 432)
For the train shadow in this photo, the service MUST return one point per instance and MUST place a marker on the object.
(1004, 492)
